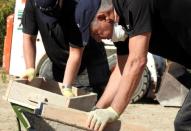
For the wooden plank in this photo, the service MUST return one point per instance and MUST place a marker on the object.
(42, 124)
(79, 92)
(28, 94)
(21, 93)
(55, 87)
(35, 82)
(76, 118)
(52, 86)
(83, 102)
(5, 97)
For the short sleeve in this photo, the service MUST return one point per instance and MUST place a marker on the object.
(75, 39)
(71, 30)
(139, 17)
(29, 20)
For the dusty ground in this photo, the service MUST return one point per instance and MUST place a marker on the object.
(149, 114)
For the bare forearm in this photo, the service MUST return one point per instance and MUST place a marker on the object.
(72, 66)
(110, 89)
(71, 70)
(113, 83)
(29, 50)
(129, 81)
(137, 59)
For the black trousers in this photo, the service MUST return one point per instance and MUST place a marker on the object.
(183, 118)
(93, 79)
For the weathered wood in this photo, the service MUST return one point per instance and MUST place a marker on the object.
(21, 94)
(43, 124)
(51, 85)
(55, 115)
(83, 102)
(5, 97)
(77, 119)
(27, 94)
(35, 82)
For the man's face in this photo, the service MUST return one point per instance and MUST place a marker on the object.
(102, 30)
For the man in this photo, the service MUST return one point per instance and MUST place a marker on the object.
(62, 42)
(159, 26)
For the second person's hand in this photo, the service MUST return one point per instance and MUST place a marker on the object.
(67, 91)
(28, 74)
(98, 118)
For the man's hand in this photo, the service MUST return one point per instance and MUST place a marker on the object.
(67, 92)
(29, 74)
(98, 118)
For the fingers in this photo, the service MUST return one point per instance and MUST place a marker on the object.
(23, 75)
(30, 78)
(27, 77)
(28, 74)
(102, 126)
(97, 125)
(68, 92)
(90, 117)
(93, 123)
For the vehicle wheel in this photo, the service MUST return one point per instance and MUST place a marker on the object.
(142, 87)
(46, 70)
(143, 84)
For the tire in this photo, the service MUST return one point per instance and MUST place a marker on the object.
(45, 71)
(142, 87)
(143, 84)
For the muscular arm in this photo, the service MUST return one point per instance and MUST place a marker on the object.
(113, 83)
(137, 59)
(73, 65)
(29, 50)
